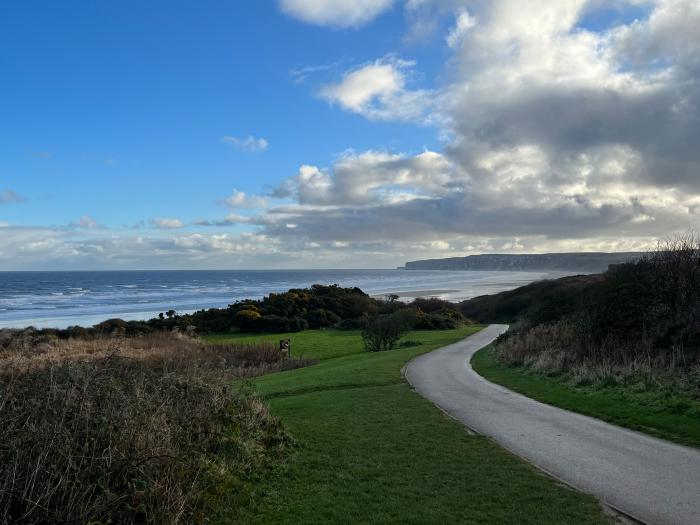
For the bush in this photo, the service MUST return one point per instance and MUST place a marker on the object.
(445, 319)
(383, 332)
(432, 305)
(113, 442)
(351, 324)
(131, 430)
(248, 320)
(321, 318)
(318, 306)
(277, 324)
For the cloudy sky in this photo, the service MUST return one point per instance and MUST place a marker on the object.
(327, 133)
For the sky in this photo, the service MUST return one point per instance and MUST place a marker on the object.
(334, 134)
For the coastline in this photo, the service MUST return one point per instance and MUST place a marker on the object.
(59, 299)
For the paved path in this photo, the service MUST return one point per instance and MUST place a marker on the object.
(655, 481)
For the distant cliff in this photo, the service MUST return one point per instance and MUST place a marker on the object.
(592, 262)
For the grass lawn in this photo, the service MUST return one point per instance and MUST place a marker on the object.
(661, 413)
(317, 344)
(370, 450)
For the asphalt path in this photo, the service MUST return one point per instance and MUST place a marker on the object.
(651, 480)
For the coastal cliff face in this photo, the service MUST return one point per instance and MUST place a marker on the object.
(592, 262)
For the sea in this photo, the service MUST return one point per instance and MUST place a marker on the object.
(61, 299)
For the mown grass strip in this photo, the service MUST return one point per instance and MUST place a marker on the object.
(370, 450)
(658, 412)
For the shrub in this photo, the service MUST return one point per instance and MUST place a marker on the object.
(131, 430)
(320, 318)
(351, 324)
(277, 324)
(249, 320)
(446, 319)
(432, 304)
(112, 326)
(109, 441)
(318, 306)
(383, 332)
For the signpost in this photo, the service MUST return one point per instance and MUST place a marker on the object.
(286, 347)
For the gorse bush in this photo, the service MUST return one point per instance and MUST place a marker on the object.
(293, 311)
(142, 430)
(443, 319)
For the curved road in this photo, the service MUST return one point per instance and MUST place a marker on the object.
(652, 480)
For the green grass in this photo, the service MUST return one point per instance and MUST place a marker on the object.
(658, 412)
(370, 450)
(316, 344)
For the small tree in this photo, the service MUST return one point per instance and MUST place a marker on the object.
(383, 332)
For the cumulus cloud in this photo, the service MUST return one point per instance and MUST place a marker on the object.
(427, 198)
(336, 13)
(239, 199)
(166, 223)
(248, 144)
(371, 177)
(557, 136)
(379, 90)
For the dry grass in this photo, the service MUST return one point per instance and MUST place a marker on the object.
(130, 430)
(167, 351)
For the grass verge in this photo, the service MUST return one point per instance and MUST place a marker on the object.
(370, 450)
(659, 412)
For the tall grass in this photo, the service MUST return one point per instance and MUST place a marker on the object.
(130, 430)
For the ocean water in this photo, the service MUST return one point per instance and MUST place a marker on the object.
(60, 299)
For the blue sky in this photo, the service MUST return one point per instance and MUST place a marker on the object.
(131, 102)
(342, 135)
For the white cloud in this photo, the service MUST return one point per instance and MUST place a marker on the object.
(166, 223)
(239, 199)
(86, 222)
(378, 90)
(463, 23)
(368, 178)
(338, 13)
(248, 144)
(231, 219)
